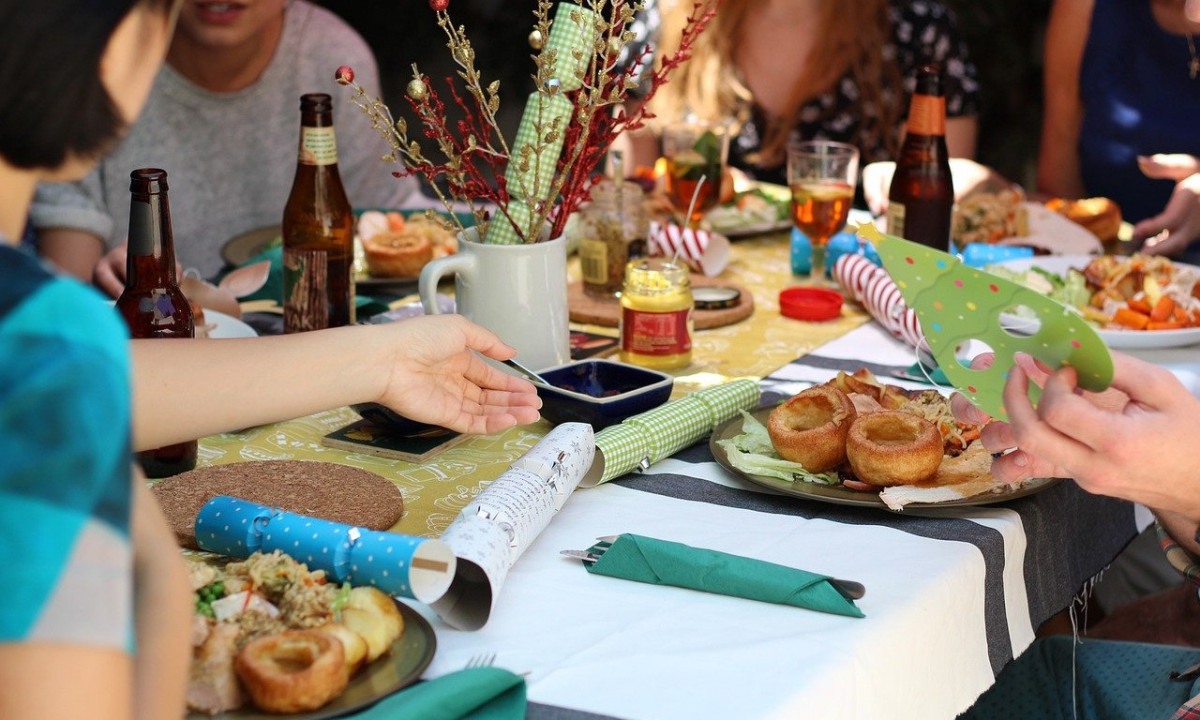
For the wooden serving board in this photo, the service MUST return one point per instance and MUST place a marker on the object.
(594, 311)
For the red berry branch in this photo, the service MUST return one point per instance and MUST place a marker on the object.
(473, 150)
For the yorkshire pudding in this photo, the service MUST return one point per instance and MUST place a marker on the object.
(811, 428)
(397, 254)
(892, 447)
(293, 671)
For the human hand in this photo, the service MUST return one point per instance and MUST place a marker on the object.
(876, 181)
(1111, 443)
(1172, 230)
(435, 376)
(109, 273)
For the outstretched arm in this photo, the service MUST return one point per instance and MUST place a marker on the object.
(427, 368)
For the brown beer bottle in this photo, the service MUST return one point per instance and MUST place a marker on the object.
(152, 304)
(921, 196)
(318, 229)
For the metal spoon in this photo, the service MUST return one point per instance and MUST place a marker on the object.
(526, 372)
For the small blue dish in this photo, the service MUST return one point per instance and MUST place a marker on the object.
(601, 392)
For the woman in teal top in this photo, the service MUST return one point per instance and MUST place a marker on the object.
(95, 616)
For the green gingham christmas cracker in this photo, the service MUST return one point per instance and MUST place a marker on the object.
(642, 440)
(571, 34)
(537, 146)
(500, 229)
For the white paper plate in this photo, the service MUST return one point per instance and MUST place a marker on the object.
(226, 326)
(1117, 339)
(1055, 234)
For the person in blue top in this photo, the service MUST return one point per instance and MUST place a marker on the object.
(95, 615)
(1122, 94)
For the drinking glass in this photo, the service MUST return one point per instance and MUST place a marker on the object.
(822, 175)
(695, 150)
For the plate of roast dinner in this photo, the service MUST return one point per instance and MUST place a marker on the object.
(1135, 302)
(271, 638)
(857, 441)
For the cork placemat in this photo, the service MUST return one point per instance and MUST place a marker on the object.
(594, 311)
(331, 491)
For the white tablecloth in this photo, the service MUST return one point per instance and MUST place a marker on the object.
(952, 594)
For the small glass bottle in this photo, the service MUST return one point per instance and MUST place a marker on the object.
(921, 196)
(318, 229)
(152, 304)
(656, 314)
(613, 226)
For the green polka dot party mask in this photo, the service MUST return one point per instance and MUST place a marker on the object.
(957, 304)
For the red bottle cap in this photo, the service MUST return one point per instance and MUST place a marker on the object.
(815, 304)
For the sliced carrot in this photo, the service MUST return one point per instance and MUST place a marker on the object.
(1162, 309)
(1131, 318)
(1164, 325)
(1180, 315)
(1138, 304)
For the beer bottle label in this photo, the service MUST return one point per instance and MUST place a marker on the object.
(318, 146)
(927, 115)
(895, 218)
(305, 279)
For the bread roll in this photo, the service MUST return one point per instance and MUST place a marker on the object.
(1101, 216)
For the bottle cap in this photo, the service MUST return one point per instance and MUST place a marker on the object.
(813, 304)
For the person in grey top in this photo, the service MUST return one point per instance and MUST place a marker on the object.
(223, 120)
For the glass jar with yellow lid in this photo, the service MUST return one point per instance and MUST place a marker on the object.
(656, 314)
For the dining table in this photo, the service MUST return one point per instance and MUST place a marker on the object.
(952, 594)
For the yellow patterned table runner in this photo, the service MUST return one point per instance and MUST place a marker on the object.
(435, 492)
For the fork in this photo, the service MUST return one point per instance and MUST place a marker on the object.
(481, 660)
(849, 589)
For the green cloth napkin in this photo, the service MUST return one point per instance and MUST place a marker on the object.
(644, 439)
(487, 693)
(660, 562)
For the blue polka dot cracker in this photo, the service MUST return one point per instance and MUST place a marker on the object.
(956, 304)
(411, 567)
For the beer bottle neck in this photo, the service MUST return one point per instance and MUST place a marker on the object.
(927, 115)
(151, 256)
(318, 143)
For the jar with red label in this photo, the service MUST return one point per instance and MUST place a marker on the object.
(656, 314)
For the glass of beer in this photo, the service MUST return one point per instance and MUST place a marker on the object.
(822, 175)
(696, 152)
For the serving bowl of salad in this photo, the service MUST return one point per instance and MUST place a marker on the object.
(1141, 301)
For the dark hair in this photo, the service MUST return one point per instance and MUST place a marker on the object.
(52, 101)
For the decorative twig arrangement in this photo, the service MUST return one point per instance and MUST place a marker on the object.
(569, 123)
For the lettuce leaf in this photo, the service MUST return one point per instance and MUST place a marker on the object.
(752, 453)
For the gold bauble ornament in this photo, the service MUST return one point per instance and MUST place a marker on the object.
(417, 90)
(536, 41)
